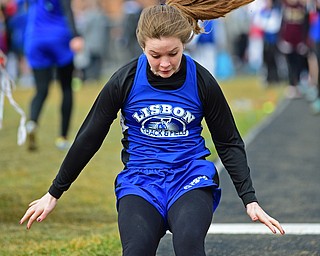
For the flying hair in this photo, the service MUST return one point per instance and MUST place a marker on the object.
(180, 18)
(195, 10)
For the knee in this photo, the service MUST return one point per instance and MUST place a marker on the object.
(189, 243)
(139, 245)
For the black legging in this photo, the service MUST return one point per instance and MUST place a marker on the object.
(296, 64)
(43, 78)
(141, 226)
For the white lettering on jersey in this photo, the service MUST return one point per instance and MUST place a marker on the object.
(163, 120)
(195, 181)
(163, 109)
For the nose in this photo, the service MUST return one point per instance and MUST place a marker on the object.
(165, 63)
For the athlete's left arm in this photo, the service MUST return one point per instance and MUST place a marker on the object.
(225, 135)
(230, 147)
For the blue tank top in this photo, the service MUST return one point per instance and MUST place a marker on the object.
(46, 19)
(163, 126)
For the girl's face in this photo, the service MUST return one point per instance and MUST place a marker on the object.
(164, 55)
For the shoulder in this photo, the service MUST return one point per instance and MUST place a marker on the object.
(125, 73)
(206, 81)
(120, 83)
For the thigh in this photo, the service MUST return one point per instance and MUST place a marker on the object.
(65, 75)
(189, 219)
(43, 77)
(194, 207)
(141, 226)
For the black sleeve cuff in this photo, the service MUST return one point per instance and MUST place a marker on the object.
(249, 198)
(56, 193)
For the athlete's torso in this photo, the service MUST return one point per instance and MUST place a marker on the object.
(163, 127)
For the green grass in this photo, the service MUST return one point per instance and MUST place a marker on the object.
(84, 221)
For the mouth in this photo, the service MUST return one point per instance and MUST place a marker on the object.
(165, 71)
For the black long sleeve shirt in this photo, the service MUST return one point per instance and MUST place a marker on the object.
(226, 138)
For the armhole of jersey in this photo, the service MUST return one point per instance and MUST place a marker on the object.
(198, 91)
(201, 86)
(128, 94)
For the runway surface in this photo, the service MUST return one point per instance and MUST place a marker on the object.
(284, 157)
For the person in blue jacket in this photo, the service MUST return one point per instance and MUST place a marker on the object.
(50, 42)
(163, 96)
(314, 34)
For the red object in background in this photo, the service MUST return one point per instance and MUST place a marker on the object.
(10, 8)
(3, 59)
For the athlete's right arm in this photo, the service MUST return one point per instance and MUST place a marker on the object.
(94, 129)
(39, 209)
(87, 142)
(89, 138)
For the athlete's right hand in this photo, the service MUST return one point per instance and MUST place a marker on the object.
(39, 209)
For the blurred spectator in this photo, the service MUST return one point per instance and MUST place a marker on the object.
(210, 50)
(17, 63)
(237, 30)
(203, 46)
(314, 34)
(92, 24)
(132, 10)
(3, 34)
(14, 23)
(9, 10)
(255, 42)
(50, 38)
(270, 21)
(224, 66)
(293, 42)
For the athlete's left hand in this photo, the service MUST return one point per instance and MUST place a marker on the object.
(256, 213)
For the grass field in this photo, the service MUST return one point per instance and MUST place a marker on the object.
(85, 220)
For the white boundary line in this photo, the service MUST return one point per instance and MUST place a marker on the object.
(258, 228)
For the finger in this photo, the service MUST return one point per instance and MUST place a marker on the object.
(263, 218)
(27, 215)
(30, 222)
(273, 224)
(253, 216)
(276, 224)
(270, 226)
(33, 217)
(43, 216)
(33, 202)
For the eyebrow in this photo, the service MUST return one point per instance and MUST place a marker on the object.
(174, 49)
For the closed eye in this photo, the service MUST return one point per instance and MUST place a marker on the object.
(173, 54)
